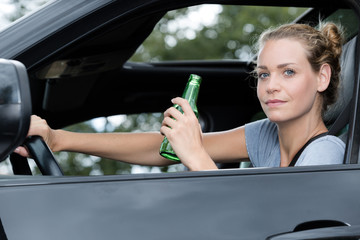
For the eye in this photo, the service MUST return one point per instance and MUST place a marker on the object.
(289, 72)
(263, 75)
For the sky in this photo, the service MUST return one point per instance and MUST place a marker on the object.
(8, 8)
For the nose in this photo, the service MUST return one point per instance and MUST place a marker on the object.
(272, 84)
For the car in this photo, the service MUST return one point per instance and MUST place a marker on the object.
(71, 61)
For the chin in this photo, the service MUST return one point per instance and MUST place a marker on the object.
(276, 118)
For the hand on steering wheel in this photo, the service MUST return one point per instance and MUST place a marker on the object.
(43, 156)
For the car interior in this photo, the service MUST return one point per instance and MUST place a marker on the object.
(92, 77)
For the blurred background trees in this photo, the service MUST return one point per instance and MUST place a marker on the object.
(206, 32)
(10, 10)
(211, 32)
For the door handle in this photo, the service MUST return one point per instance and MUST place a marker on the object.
(334, 231)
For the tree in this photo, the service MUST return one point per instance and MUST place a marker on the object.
(231, 36)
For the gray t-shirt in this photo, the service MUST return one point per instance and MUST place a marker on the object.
(263, 147)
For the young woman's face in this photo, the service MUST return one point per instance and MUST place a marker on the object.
(287, 85)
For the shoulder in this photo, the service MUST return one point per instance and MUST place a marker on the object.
(260, 131)
(328, 142)
(325, 150)
(262, 143)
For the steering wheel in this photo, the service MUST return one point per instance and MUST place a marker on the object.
(43, 156)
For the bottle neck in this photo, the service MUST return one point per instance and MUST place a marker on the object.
(191, 92)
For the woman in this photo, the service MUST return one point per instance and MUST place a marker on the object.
(298, 75)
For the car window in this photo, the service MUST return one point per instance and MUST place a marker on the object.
(348, 20)
(224, 32)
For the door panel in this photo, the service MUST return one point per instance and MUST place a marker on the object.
(229, 204)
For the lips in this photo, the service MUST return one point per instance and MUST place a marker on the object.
(274, 102)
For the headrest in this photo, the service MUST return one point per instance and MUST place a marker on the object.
(346, 83)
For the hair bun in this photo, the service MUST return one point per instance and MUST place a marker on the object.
(334, 35)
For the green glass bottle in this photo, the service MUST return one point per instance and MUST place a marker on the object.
(191, 94)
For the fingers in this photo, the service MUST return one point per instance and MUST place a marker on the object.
(173, 116)
(172, 112)
(184, 104)
(176, 121)
(169, 121)
(22, 151)
(175, 113)
(38, 126)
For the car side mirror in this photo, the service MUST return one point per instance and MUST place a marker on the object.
(15, 106)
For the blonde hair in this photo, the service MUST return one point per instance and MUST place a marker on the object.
(323, 45)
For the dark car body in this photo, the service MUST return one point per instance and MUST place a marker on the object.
(95, 39)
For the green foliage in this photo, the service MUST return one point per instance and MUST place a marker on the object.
(232, 36)
(23, 7)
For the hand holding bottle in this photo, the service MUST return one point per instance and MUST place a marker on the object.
(190, 94)
(185, 136)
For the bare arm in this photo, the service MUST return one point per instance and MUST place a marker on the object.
(196, 150)
(143, 148)
(226, 146)
(134, 148)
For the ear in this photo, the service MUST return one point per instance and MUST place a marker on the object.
(324, 77)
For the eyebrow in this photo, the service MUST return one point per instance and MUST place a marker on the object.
(278, 66)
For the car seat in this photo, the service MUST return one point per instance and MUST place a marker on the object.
(338, 114)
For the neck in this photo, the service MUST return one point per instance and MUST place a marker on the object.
(295, 133)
